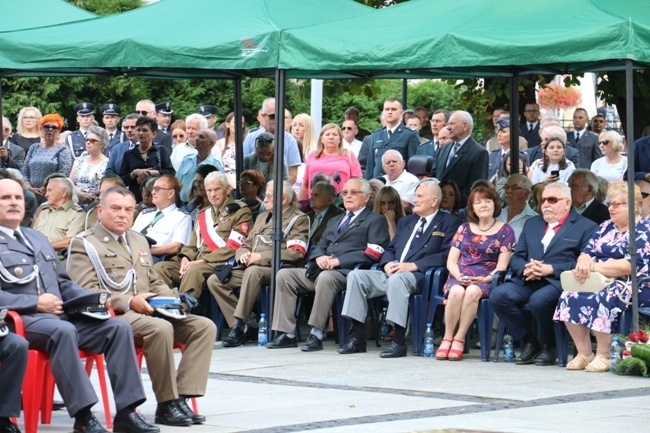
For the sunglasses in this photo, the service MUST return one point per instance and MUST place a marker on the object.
(92, 140)
(262, 139)
(645, 195)
(346, 128)
(178, 136)
(142, 112)
(552, 199)
(52, 127)
(605, 142)
(270, 116)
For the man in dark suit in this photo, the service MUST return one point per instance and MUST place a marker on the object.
(422, 241)
(38, 287)
(358, 237)
(11, 155)
(641, 160)
(549, 244)
(585, 141)
(584, 187)
(322, 209)
(529, 129)
(394, 136)
(13, 362)
(464, 160)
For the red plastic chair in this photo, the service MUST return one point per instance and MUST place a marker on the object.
(38, 384)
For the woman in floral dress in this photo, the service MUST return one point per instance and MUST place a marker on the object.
(607, 253)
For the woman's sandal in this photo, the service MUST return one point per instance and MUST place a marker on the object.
(455, 354)
(442, 354)
(598, 365)
(580, 362)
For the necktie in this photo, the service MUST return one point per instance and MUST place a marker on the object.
(389, 133)
(110, 137)
(530, 128)
(577, 136)
(452, 152)
(436, 146)
(548, 236)
(86, 134)
(21, 239)
(346, 221)
(122, 242)
(315, 224)
(156, 218)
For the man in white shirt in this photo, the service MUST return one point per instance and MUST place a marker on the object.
(193, 124)
(397, 177)
(350, 130)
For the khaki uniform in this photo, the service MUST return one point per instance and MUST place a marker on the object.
(232, 219)
(252, 278)
(59, 223)
(155, 335)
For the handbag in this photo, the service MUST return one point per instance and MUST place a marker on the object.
(593, 284)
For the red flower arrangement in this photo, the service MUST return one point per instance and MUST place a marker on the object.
(555, 96)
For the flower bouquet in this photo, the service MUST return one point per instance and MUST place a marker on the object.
(636, 357)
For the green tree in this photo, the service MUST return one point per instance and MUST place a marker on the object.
(107, 7)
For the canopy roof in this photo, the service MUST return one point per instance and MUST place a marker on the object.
(26, 14)
(169, 39)
(468, 38)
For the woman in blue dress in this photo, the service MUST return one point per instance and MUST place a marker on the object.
(479, 248)
(607, 253)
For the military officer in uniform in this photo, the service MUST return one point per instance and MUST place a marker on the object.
(77, 139)
(169, 226)
(13, 362)
(210, 114)
(111, 257)
(219, 231)
(253, 268)
(164, 116)
(35, 284)
(111, 118)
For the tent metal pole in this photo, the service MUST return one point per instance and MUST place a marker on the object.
(239, 127)
(514, 122)
(278, 158)
(629, 136)
(405, 93)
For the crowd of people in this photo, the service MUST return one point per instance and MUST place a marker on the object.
(156, 209)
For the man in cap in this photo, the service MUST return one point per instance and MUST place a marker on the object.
(147, 108)
(37, 287)
(210, 114)
(76, 140)
(253, 268)
(219, 231)
(111, 118)
(164, 116)
(111, 257)
(13, 363)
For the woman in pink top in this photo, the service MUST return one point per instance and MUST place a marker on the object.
(330, 157)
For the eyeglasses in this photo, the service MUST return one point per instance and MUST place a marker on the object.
(552, 199)
(29, 118)
(158, 188)
(143, 112)
(92, 140)
(351, 192)
(616, 204)
(511, 187)
(605, 142)
(52, 127)
(346, 128)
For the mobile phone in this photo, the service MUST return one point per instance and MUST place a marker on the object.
(465, 278)
(555, 173)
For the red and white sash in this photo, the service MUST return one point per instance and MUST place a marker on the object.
(206, 232)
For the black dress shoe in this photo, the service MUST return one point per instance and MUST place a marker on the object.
(6, 426)
(58, 405)
(352, 346)
(88, 425)
(394, 350)
(170, 414)
(188, 412)
(236, 337)
(313, 344)
(129, 421)
(528, 354)
(282, 342)
(548, 356)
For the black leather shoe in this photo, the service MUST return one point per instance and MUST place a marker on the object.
(313, 344)
(170, 414)
(394, 350)
(282, 342)
(128, 421)
(528, 354)
(88, 425)
(236, 337)
(188, 412)
(58, 405)
(548, 356)
(352, 346)
(6, 426)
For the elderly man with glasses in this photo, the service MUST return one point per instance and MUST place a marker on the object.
(549, 244)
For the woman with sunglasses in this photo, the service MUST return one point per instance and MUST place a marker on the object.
(553, 166)
(89, 167)
(46, 157)
(332, 158)
(179, 136)
(28, 131)
(612, 166)
(606, 252)
(251, 187)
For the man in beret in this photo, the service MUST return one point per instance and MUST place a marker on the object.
(111, 117)
(77, 139)
(164, 116)
(37, 290)
(13, 362)
(210, 114)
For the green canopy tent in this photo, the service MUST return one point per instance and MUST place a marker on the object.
(26, 14)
